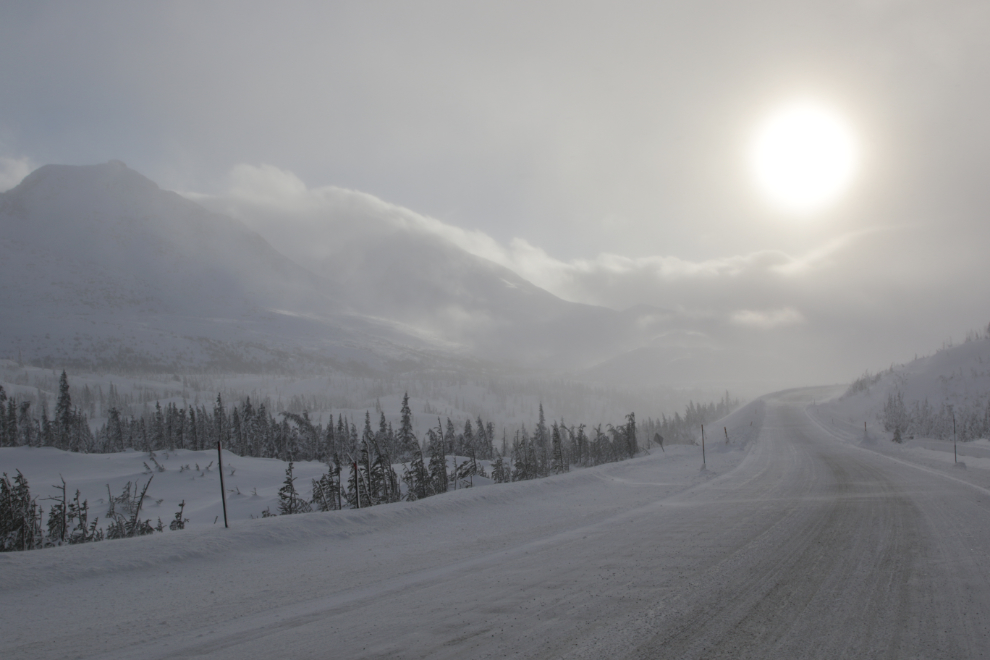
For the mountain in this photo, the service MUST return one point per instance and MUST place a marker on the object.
(99, 266)
(387, 265)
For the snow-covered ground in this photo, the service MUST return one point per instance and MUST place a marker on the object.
(192, 477)
(289, 560)
(792, 544)
(954, 380)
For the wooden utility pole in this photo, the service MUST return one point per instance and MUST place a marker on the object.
(703, 463)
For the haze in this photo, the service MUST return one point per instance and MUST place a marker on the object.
(599, 151)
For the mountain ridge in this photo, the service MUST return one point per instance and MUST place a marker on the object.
(100, 266)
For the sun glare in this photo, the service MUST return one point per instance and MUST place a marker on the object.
(803, 157)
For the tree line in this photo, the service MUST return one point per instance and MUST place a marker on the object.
(361, 464)
(68, 521)
(921, 418)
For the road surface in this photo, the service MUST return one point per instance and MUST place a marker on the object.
(810, 547)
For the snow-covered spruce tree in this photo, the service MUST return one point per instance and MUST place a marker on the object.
(438, 461)
(289, 501)
(27, 428)
(236, 433)
(114, 440)
(498, 469)
(157, 439)
(63, 413)
(895, 416)
(471, 447)
(632, 446)
(3, 417)
(326, 489)
(12, 439)
(385, 475)
(408, 445)
(20, 519)
(306, 436)
(416, 477)
(557, 465)
(541, 438)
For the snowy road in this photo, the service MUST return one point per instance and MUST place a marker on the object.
(810, 547)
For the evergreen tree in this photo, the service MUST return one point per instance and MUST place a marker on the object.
(632, 445)
(25, 425)
(3, 418)
(20, 519)
(63, 413)
(114, 431)
(13, 436)
(498, 469)
(236, 433)
(557, 462)
(326, 489)
(438, 460)
(408, 445)
(157, 440)
(289, 501)
(47, 436)
(471, 450)
(417, 478)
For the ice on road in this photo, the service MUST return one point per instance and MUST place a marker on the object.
(803, 546)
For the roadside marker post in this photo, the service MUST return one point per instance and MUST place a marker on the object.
(703, 463)
(955, 454)
(223, 492)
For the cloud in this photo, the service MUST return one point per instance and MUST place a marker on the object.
(303, 221)
(766, 320)
(13, 171)
(854, 298)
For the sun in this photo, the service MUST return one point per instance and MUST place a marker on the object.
(803, 157)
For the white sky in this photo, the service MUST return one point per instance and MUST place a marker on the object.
(598, 148)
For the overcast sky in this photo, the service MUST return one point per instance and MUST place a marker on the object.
(597, 148)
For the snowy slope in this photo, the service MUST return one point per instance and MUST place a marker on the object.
(956, 379)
